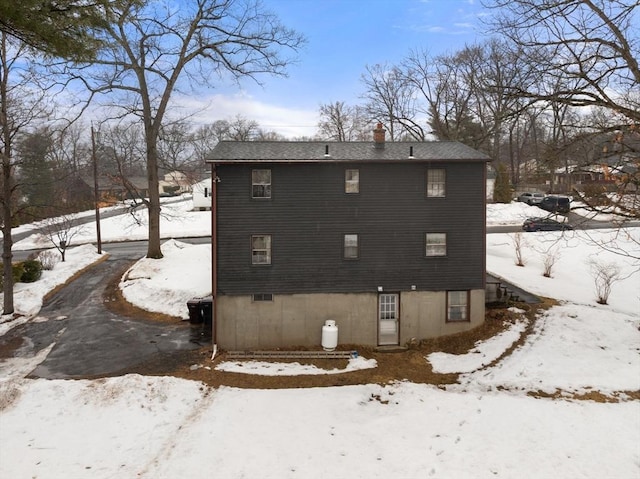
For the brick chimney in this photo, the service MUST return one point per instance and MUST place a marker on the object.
(378, 136)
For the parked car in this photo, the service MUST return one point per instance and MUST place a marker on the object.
(531, 198)
(555, 204)
(545, 224)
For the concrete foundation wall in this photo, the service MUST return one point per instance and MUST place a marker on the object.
(297, 319)
(423, 315)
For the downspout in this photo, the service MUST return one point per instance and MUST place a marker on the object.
(214, 259)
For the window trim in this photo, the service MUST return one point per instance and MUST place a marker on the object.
(352, 182)
(344, 246)
(441, 185)
(426, 245)
(269, 250)
(265, 186)
(467, 310)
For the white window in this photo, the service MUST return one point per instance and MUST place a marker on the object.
(352, 181)
(436, 244)
(388, 304)
(351, 246)
(261, 249)
(261, 183)
(457, 306)
(436, 182)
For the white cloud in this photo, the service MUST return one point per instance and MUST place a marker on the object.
(289, 122)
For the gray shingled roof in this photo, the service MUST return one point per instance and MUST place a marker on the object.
(314, 151)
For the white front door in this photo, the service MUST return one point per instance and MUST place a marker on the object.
(388, 316)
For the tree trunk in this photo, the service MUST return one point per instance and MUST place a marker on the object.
(7, 240)
(7, 197)
(153, 249)
(7, 189)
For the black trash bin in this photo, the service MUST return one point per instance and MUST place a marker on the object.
(195, 311)
(206, 307)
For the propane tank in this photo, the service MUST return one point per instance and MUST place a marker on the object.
(329, 335)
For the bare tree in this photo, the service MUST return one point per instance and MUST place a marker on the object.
(590, 46)
(604, 275)
(268, 135)
(157, 47)
(60, 231)
(22, 103)
(590, 51)
(549, 259)
(174, 146)
(518, 244)
(342, 122)
(121, 150)
(242, 129)
(390, 100)
(206, 137)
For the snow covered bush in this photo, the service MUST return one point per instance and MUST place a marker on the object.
(48, 259)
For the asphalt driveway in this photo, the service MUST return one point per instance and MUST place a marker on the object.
(89, 340)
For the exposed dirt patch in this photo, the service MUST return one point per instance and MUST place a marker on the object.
(409, 365)
(115, 302)
(8, 348)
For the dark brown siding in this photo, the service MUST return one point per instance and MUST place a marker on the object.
(309, 213)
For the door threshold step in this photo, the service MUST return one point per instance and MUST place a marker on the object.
(391, 349)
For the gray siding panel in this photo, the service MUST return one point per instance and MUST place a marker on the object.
(309, 213)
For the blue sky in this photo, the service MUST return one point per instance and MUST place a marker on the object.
(343, 37)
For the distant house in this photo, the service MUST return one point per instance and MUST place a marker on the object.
(112, 189)
(175, 183)
(386, 239)
(608, 173)
(202, 195)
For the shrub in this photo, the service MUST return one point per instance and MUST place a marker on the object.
(48, 259)
(519, 244)
(32, 271)
(604, 275)
(502, 189)
(18, 271)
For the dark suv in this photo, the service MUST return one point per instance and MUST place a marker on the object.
(555, 204)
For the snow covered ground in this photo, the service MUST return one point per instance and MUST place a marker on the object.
(485, 426)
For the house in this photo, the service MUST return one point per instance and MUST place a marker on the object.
(175, 183)
(202, 195)
(385, 239)
(112, 189)
(608, 174)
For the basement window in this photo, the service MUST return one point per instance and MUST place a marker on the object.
(263, 297)
(457, 306)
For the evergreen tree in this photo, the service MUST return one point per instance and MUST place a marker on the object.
(502, 187)
(61, 28)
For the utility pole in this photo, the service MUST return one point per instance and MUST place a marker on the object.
(96, 194)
